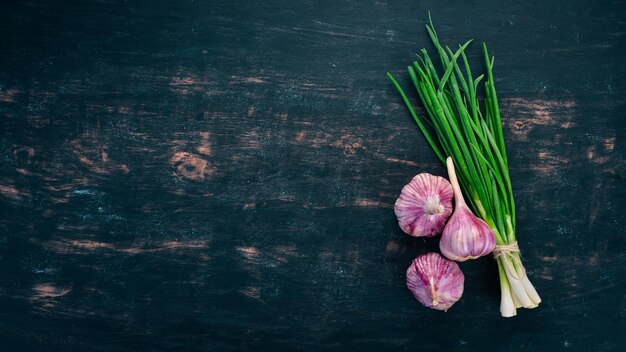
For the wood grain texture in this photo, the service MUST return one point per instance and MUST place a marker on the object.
(220, 175)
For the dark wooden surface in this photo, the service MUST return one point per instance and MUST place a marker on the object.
(220, 175)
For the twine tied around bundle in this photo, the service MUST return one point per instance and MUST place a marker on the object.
(505, 249)
(509, 250)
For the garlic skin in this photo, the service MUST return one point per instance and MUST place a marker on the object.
(435, 281)
(424, 205)
(465, 235)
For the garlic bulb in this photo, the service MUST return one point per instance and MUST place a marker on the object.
(465, 235)
(424, 205)
(435, 281)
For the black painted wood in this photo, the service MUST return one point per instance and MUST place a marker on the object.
(220, 175)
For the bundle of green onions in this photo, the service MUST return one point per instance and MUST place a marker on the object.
(455, 125)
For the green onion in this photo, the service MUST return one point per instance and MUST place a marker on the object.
(456, 124)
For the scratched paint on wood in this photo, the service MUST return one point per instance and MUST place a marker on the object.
(221, 175)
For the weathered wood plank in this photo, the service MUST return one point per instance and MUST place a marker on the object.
(220, 175)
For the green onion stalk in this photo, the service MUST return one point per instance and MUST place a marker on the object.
(455, 125)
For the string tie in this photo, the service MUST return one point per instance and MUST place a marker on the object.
(511, 251)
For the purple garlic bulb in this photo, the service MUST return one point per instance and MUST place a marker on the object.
(424, 205)
(465, 235)
(435, 281)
